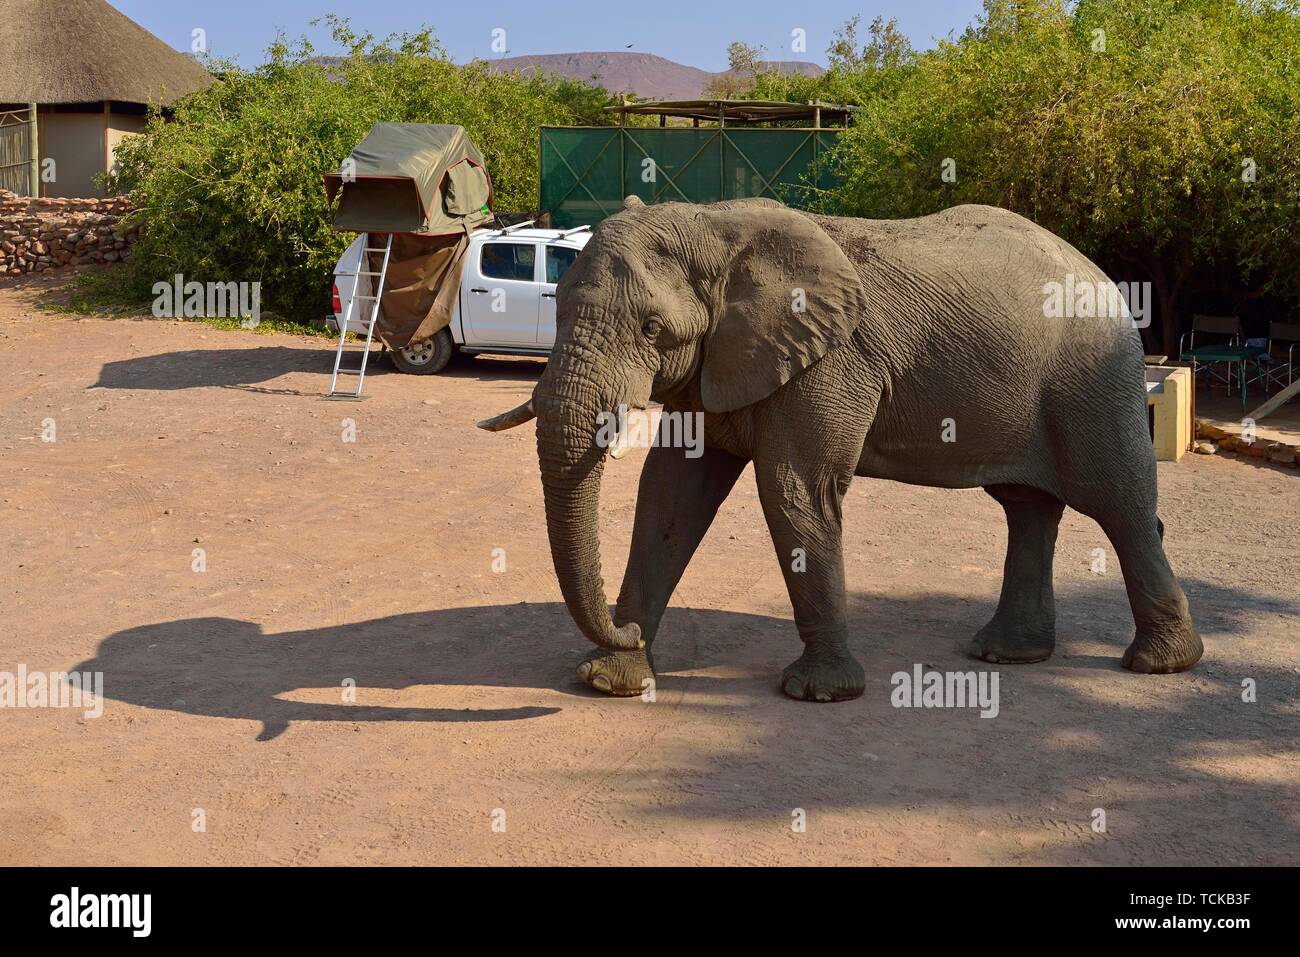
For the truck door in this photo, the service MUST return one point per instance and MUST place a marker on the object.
(558, 261)
(502, 294)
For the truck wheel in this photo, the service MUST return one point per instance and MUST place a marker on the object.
(425, 358)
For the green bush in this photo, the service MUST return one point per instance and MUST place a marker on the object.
(230, 188)
(1129, 127)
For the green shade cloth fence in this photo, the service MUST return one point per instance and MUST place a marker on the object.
(587, 171)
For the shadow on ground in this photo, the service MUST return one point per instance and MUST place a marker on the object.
(245, 369)
(495, 368)
(221, 368)
(1164, 753)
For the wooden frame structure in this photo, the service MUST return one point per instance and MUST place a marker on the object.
(11, 124)
(737, 111)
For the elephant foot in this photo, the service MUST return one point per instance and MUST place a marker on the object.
(1010, 645)
(623, 674)
(833, 676)
(1164, 647)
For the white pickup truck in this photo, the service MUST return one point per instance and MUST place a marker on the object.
(507, 296)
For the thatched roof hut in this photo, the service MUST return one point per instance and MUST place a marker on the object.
(87, 73)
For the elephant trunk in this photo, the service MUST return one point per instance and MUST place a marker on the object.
(567, 402)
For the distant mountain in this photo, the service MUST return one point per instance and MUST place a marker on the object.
(648, 76)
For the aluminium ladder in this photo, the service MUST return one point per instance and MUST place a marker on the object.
(377, 290)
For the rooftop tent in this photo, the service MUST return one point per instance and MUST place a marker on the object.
(429, 187)
(412, 178)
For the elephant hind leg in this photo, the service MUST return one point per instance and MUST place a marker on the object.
(1023, 629)
(1165, 640)
(1115, 485)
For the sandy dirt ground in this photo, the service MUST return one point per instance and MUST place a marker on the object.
(370, 562)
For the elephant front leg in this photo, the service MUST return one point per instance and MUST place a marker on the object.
(804, 516)
(677, 500)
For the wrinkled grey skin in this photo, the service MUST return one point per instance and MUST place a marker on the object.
(906, 324)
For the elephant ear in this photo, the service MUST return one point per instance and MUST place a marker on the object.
(787, 296)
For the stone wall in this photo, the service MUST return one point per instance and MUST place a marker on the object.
(37, 235)
(1218, 441)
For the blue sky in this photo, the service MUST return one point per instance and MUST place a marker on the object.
(695, 32)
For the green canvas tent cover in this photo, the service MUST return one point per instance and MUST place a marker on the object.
(426, 184)
(412, 178)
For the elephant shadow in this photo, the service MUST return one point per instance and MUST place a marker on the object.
(228, 668)
(1060, 738)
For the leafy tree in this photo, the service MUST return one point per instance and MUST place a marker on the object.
(230, 188)
(1158, 136)
(744, 62)
(887, 49)
(858, 72)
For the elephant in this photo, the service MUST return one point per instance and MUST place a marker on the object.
(820, 348)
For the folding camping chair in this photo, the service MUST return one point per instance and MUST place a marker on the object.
(1215, 357)
(1283, 337)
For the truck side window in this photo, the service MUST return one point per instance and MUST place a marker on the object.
(508, 261)
(558, 261)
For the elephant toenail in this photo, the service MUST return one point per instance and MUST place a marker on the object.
(584, 669)
(601, 683)
(823, 696)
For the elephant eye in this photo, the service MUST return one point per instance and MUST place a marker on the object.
(651, 327)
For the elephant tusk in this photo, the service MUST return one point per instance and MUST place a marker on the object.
(625, 438)
(508, 420)
(619, 447)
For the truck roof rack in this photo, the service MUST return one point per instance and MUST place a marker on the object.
(577, 229)
(510, 229)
